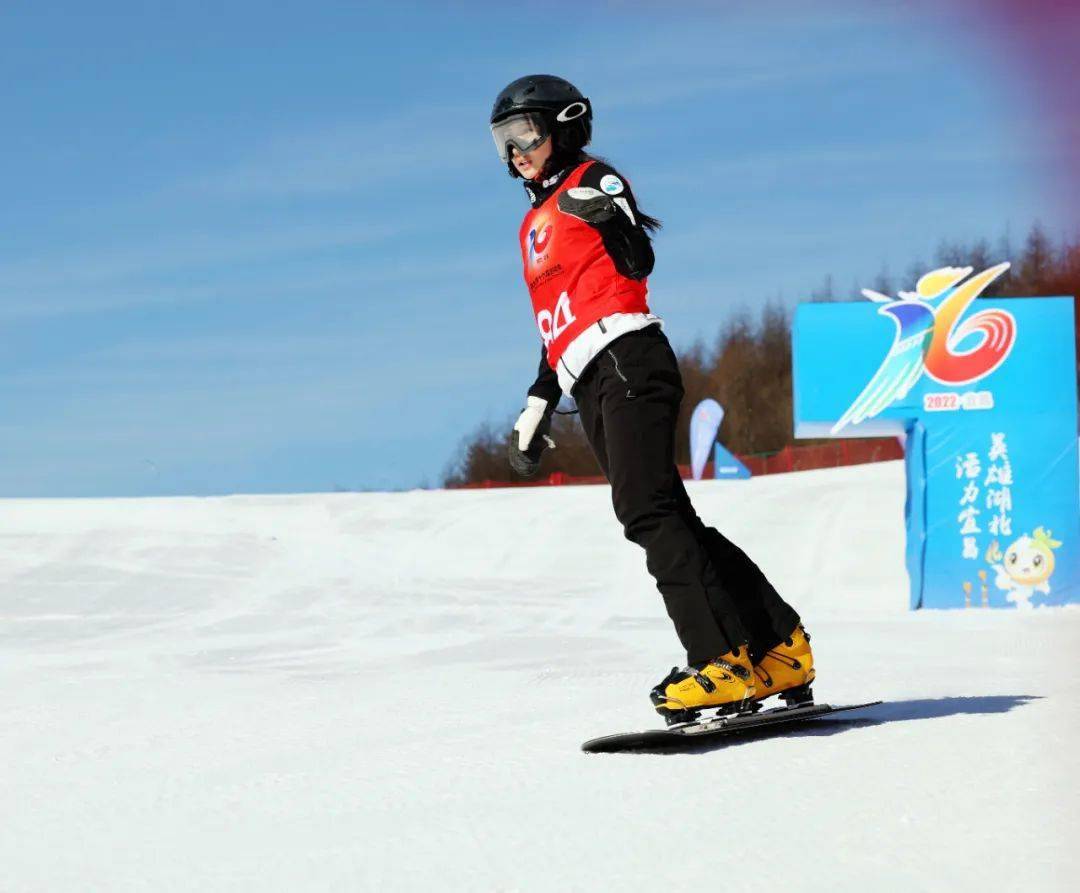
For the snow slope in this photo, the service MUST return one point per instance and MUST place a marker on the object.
(388, 691)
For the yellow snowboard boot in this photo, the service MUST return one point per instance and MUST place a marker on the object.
(726, 683)
(787, 669)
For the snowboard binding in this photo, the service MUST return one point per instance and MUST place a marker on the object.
(689, 715)
(800, 696)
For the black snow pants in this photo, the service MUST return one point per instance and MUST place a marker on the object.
(718, 599)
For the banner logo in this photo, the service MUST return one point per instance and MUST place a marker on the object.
(929, 338)
(539, 236)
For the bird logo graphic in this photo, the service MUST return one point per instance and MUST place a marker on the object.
(930, 335)
(539, 236)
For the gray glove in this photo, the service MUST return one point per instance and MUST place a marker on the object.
(588, 204)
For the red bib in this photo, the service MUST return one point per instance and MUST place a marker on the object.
(571, 278)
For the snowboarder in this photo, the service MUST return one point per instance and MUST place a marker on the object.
(587, 253)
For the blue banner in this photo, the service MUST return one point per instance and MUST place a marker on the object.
(985, 392)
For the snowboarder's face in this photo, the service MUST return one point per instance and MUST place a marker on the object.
(531, 163)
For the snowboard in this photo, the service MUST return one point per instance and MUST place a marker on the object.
(709, 729)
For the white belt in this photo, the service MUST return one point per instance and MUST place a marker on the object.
(584, 348)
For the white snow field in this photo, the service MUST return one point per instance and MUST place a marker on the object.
(389, 692)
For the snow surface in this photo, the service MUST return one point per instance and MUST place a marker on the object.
(388, 692)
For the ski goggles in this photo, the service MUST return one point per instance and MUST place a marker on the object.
(523, 132)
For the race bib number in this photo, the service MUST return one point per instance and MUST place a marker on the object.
(553, 325)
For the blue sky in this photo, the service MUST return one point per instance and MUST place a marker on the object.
(255, 247)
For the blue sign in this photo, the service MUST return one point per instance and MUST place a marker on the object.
(985, 392)
(726, 466)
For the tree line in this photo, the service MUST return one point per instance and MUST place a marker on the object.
(747, 365)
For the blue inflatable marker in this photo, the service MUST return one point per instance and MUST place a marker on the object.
(704, 425)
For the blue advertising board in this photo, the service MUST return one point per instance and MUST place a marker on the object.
(984, 391)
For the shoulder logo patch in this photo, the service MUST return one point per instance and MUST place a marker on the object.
(611, 184)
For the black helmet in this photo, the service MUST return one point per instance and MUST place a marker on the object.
(535, 107)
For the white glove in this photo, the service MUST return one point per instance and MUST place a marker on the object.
(529, 421)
